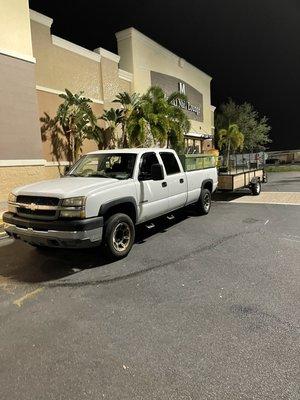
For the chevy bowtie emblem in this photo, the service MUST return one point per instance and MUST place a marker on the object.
(32, 206)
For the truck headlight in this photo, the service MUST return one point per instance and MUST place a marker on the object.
(12, 198)
(73, 207)
(74, 202)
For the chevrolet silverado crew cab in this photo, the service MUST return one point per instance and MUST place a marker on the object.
(104, 196)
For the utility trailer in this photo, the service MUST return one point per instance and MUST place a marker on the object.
(242, 171)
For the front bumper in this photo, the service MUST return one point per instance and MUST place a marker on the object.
(58, 233)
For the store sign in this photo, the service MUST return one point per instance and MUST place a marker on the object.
(169, 84)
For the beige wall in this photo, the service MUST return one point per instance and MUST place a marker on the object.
(19, 130)
(110, 79)
(15, 27)
(49, 102)
(11, 177)
(58, 68)
(140, 55)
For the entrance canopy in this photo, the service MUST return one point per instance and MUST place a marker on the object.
(198, 142)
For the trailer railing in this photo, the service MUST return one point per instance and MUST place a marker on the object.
(194, 162)
(237, 163)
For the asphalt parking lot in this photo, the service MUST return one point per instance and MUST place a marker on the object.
(202, 308)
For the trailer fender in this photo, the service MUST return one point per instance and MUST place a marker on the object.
(254, 180)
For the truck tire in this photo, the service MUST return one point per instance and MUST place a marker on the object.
(119, 234)
(204, 203)
(256, 188)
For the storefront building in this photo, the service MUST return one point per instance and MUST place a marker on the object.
(36, 66)
(152, 64)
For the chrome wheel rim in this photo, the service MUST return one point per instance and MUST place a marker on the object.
(206, 201)
(121, 236)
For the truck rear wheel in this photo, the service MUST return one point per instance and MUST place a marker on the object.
(119, 235)
(204, 203)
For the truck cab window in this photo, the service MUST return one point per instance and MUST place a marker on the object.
(147, 160)
(170, 163)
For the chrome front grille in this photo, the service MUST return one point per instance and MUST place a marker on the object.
(37, 207)
(46, 201)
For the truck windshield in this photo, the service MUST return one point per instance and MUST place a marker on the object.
(108, 165)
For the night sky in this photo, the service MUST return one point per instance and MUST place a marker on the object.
(251, 48)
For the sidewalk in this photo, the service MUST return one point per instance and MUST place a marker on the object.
(3, 207)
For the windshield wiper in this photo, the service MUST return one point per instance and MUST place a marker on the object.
(97, 176)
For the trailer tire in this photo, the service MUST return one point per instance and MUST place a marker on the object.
(256, 188)
(265, 177)
(119, 234)
(204, 203)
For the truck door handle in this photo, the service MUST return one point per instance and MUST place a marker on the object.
(164, 184)
(181, 180)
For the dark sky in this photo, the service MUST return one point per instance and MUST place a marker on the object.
(251, 48)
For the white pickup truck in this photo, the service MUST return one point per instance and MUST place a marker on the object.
(103, 196)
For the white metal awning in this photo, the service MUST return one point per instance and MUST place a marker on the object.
(199, 135)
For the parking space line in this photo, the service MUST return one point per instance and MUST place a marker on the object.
(284, 198)
(19, 302)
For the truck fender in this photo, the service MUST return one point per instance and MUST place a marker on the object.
(105, 207)
(207, 183)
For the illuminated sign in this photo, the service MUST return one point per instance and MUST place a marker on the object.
(169, 84)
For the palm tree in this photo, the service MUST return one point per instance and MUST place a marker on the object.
(73, 123)
(230, 139)
(105, 136)
(158, 118)
(179, 122)
(129, 103)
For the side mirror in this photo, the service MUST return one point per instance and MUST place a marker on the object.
(67, 169)
(157, 172)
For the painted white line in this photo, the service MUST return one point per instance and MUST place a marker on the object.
(283, 198)
(292, 240)
(19, 302)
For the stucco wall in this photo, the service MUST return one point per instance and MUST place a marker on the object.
(49, 102)
(19, 130)
(15, 27)
(58, 68)
(11, 177)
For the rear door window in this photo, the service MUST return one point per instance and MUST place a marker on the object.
(170, 163)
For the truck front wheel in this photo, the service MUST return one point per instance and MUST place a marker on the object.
(204, 203)
(119, 234)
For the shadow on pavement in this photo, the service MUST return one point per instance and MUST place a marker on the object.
(23, 263)
(228, 196)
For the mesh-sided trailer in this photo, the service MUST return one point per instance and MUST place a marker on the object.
(242, 171)
(239, 171)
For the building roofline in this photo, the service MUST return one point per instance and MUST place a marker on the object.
(127, 76)
(40, 18)
(107, 54)
(65, 44)
(132, 32)
(58, 41)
